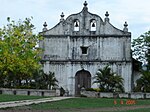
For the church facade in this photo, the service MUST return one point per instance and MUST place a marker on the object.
(81, 44)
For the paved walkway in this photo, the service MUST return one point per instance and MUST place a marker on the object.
(29, 102)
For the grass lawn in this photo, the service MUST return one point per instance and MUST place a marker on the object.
(79, 105)
(5, 98)
(85, 103)
(76, 103)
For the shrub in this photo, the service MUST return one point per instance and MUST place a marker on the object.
(93, 89)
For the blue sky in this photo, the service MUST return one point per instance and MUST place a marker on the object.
(135, 12)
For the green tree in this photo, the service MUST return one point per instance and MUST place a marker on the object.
(141, 48)
(19, 56)
(108, 81)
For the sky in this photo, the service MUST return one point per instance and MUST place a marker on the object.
(135, 12)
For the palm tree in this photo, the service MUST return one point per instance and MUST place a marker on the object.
(143, 83)
(108, 81)
(102, 78)
(117, 83)
(44, 80)
(50, 80)
(39, 80)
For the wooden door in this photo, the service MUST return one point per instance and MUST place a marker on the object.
(82, 80)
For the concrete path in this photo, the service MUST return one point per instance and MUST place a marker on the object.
(29, 102)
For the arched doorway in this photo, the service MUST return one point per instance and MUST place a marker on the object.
(82, 79)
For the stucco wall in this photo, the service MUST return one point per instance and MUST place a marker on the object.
(30, 92)
(99, 48)
(136, 95)
(65, 72)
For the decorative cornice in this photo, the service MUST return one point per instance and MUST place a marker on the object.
(86, 61)
(102, 35)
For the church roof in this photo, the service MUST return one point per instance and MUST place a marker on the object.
(84, 21)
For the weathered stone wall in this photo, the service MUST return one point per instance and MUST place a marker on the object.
(137, 95)
(55, 48)
(90, 94)
(65, 58)
(30, 92)
(65, 72)
(136, 75)
(106, 45)
(106, 95)
(99, 48)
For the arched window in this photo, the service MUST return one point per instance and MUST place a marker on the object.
(76, 25)
(93, 25)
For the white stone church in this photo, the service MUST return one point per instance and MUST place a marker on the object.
(81, 44)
